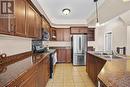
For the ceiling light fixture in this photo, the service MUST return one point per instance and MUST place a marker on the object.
(66, 11)
(97, 16)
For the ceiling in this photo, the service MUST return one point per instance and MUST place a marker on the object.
(111, 9)
(80, 11)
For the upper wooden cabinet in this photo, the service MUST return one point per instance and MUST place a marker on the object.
(52, 34)
(79, 30)
(20, 17)
(63, 34)
(30, 21)
(37, 30)
(91, 34)
(26, 22)
(7, 26)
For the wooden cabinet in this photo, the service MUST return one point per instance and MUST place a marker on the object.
(60, 34)
(79, 30)
(63, 34)
(20, 9)
(67, 35)
(7, 26)
(37, 76)
(91, 34)
(43, 72)
(38, 24)
(68, 56)
(30, 21)
(61, 53)
(30, 82)
(94, 66)
(64, 55)
(26, 23)
(52, 34)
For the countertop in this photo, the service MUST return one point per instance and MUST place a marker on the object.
(116, 72)
(109, 59)
(10, 72)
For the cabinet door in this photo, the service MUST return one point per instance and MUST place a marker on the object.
(91, 34)
(66, 34)
(83, 30)
(60, 35)
(90, 66)
(61, 54)
(79, 30)
(30, 21)
(68, 56)
(7, 26)
(20, 17)
(37, 30)
(74, 30)
(41, 74)
(30, 82)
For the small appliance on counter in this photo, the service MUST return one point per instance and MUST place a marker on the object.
(37, 46)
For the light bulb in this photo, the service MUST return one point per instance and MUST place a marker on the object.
(97, 24)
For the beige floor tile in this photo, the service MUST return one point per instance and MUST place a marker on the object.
(67, 75)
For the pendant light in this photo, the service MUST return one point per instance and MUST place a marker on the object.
(97, 16)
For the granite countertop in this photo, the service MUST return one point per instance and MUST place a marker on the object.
(10, 72)
(116, 71)
(105, 57)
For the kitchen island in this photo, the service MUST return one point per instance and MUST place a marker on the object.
(111, 71)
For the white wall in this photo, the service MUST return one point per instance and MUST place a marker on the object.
(56, 44)
(14, 45)
(128, 41)
(99, 38)
(119, 34)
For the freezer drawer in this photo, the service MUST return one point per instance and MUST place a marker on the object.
(79, 59)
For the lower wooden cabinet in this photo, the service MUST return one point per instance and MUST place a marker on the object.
(94, 66)
(64, 55)
(43, 72)
(37, 76)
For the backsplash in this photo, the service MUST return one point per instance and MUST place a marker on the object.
(12, 45)
(56, 44)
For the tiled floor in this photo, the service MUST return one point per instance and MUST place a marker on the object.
(67, 75)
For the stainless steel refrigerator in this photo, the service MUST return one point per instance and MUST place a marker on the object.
(79, 43)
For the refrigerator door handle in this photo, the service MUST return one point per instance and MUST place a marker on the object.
(79, 43)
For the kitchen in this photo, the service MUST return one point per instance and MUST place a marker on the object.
(38, 21)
